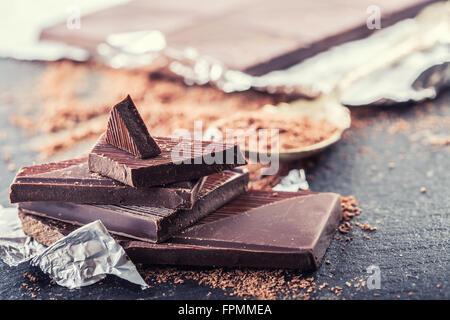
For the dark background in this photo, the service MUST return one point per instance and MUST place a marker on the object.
(412, 240)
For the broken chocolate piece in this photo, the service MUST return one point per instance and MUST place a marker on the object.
(180, 160)
(71, 181)
(263, 229)
(143, 222)
(127, 131)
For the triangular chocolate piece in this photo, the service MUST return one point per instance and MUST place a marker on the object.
(127, 131)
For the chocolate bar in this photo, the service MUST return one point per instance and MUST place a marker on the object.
(71, 181)
(180, 160)
(263, 229)
(253, 36)
(127, 131)
(143, 222)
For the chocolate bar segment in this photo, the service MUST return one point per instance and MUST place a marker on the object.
(263, 229)
(180, 160)
(253, 36)
(143, 222)
(71, 181)
(127, 131)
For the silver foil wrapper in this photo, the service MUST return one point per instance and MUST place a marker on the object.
(294, 181)
(378, 69)
(382, 68)
(86, 256)
(406, 81)
(15, 246)
(83, 257)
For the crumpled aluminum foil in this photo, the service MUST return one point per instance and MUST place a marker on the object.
(404, 81)
(15, 246)
(293, 182)
(86, 256)
(382, 68)
(83, 257)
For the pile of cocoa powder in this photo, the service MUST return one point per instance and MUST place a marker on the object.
(289, 133)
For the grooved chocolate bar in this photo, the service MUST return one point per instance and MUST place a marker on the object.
(144, 222)
(127, 131)
(253, 36)
(180, 160)
(71, 181)
(262, 229)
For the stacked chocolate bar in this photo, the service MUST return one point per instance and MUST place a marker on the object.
(174, 201)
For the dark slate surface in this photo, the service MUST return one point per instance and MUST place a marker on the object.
(411, 245)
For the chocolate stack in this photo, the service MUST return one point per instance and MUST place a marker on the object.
(174, 201)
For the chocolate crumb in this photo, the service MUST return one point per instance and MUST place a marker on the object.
(345, 227)
(30, 277)
(365, 226)
(336, 290)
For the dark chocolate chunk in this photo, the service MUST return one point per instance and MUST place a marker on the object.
(127, 131)
(71, 181)
(143, 222)
(253, 36)
(263, 229)
(180, 160)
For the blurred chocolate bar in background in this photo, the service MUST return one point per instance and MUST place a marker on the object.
(264, 35)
